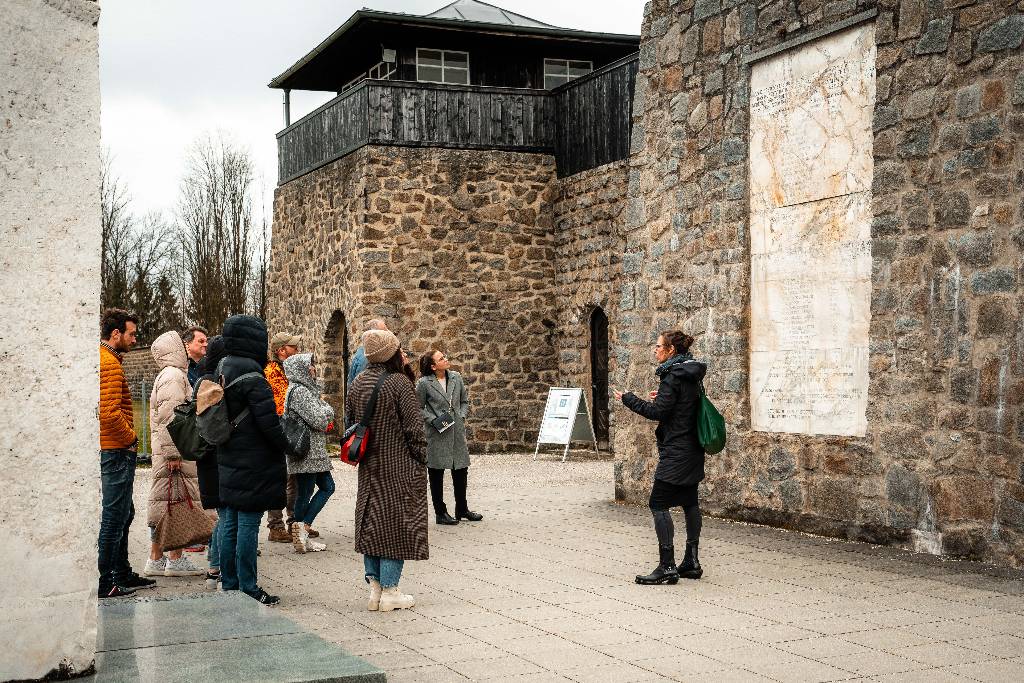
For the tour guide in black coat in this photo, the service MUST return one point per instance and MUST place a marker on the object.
(251, 464)
(676, 407)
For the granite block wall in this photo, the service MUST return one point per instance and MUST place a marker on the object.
(588, 212)
(453, 248)
(941, 465)
(50, 222)
(139, 365)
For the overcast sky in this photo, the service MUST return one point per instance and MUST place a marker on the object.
(171, 71)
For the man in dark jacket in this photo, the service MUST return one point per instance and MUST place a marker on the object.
(251, 464)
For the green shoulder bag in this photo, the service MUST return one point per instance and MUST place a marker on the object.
(711, 425)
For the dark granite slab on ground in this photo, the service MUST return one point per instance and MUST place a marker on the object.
(215, 637)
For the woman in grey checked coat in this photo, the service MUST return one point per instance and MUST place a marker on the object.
(391, 503)
(303, 399)
(441, 390)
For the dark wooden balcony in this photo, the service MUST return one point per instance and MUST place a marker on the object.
(585, 123)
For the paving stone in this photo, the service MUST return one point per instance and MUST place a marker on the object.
(488, 669)
(1000, 646)
(887, 638)
(942, 654)
(874, 663)
(446, 654)
(685, 665)
(822, 646)
(435, 673)
(806, 671)
(400, 659)
(941, 675)
(998, 671)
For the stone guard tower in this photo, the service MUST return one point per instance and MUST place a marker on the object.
(464, 186)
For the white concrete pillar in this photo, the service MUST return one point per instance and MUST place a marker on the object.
(49, 301)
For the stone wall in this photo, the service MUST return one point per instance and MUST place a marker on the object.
(942, 460)
(588, 213)
(139, 365)
(454, 249)
(50, 222)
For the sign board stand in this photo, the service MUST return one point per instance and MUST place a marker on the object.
(566, 419)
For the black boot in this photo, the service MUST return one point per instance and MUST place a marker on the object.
(665, 572)
(444, 518)
(690, 568)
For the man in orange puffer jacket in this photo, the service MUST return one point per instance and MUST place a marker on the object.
(118, 447)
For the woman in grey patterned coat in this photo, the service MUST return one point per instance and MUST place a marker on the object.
(303, 400)
(391, 504)
(441, 390)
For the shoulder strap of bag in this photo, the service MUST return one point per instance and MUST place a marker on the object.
(244, 413)
(371, 407)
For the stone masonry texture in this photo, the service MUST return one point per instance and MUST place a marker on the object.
(139, 365)
(942, 459)
(588, 210)
(50, 222)
(453, 249)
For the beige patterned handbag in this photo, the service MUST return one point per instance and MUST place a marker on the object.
(185, 523)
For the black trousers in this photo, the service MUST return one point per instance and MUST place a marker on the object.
(459, 479)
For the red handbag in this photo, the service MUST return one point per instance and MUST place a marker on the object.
(356, 439)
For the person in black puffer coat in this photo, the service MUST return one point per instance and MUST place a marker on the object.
(251, 465)
(676, 407)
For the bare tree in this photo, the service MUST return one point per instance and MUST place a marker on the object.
(137, 254)
(259, 295)
(116, 237)
(215, 211)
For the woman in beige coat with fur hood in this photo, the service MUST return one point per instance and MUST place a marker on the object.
(170, 389)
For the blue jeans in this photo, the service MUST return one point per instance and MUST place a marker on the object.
(387, 572)
(307, 505)
(239, 533)
(117, 479)
(213, 550)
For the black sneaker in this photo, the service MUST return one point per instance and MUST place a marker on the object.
(264, 598)
(137, 582)
(115, 591)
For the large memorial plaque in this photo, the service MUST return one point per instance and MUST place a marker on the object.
(811, 169)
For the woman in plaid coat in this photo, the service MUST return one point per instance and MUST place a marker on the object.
(391, 503)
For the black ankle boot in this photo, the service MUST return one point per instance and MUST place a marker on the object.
(665, 572)
(445, 518)
(690, 568)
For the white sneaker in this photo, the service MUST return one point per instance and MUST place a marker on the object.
(392, 598)
(182, 567)
(155, 567)
(374, 604)
(314, 546)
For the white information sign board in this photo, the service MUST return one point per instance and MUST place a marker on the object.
(566, 419)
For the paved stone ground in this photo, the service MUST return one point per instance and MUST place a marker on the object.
(542, 590)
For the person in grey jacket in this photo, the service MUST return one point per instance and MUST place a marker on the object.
(304, 401)
(441, 390)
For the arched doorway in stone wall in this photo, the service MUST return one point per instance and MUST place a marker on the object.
(599, 374)
(335, 366)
